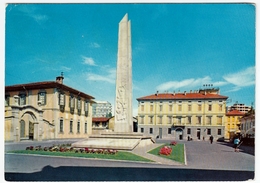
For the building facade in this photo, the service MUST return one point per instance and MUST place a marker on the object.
(239, 107)
(46, 110)
(232, 124)
(102, 109)
(248, 125)
(197, 115)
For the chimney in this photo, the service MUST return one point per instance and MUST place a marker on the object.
(173, 93)
(190, 91)
(184, 92)
(59, 79)
(157, 93)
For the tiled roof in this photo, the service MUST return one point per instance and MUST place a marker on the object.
(182, 96)
(100, 119)
(234, 113)
(46, 85)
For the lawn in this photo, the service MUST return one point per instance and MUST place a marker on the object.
(176, 155)
(120, 155)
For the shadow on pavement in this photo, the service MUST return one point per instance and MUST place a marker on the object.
(243, 148)
(70, 173)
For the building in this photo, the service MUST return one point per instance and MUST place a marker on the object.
(197, 114)
(232, 124)
(102, 109)
(46, 110)
(239, 107)
(99, 124)
(248, 125)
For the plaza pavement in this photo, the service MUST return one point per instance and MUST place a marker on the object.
(204, 161)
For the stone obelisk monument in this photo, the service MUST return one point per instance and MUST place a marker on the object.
(123, 103)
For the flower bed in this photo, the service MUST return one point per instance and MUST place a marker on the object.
(173, 143)
(166, 150)
(65, 148)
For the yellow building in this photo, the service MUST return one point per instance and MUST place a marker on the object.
(232, 123)
(46, 110)
(196, 115)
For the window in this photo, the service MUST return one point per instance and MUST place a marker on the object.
(86, 127)
(42, 97)
(79, 106)
(78, 127)
(188, 131)
(71, 126)
(199, 107)
(169, 131)
(61, 125)
(179, 107)
(151, 130)
(62, 101)
(151, 107)
(161, 108)
(7, 100)
(170, 107)
(219, 131)
(151, 119)
(179, 120)
(141, 119)
(219, 120)
(142, 107)
(72, 104)
(209, 107)
(160, 119)
(208, 131)
(189, 119)
(22, 100)
(142, 130)
(199, 120)
(220, 107)
(86, 108)
(189, 108)
(208, 120)
(169, 119)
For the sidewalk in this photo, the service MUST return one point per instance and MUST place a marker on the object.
(143, 151)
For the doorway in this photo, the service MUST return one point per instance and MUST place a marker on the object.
(198, 134)
(31, 130)
(160, 133)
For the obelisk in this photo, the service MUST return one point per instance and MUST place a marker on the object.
(123, 103)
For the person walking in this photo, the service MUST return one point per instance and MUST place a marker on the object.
(236, 142)
(211, 139)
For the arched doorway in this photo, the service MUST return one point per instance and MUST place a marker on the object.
(179, 134)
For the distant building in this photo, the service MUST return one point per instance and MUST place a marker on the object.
(46, 110)
(239, 107)
(102, 109)
(232, 124)
(248, 124)
(197, 114)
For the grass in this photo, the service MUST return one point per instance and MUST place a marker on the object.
(120, 155)
(176, 155)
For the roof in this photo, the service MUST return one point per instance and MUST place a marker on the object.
(46, 85)
(235, 113)
(100, 119)
(182, 96)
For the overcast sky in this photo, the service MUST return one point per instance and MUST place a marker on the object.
(174, 47)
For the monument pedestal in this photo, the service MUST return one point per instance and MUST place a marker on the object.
(114, 140)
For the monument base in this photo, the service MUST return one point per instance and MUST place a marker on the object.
(113, 140)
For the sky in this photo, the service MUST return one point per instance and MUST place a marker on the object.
(175, 47)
